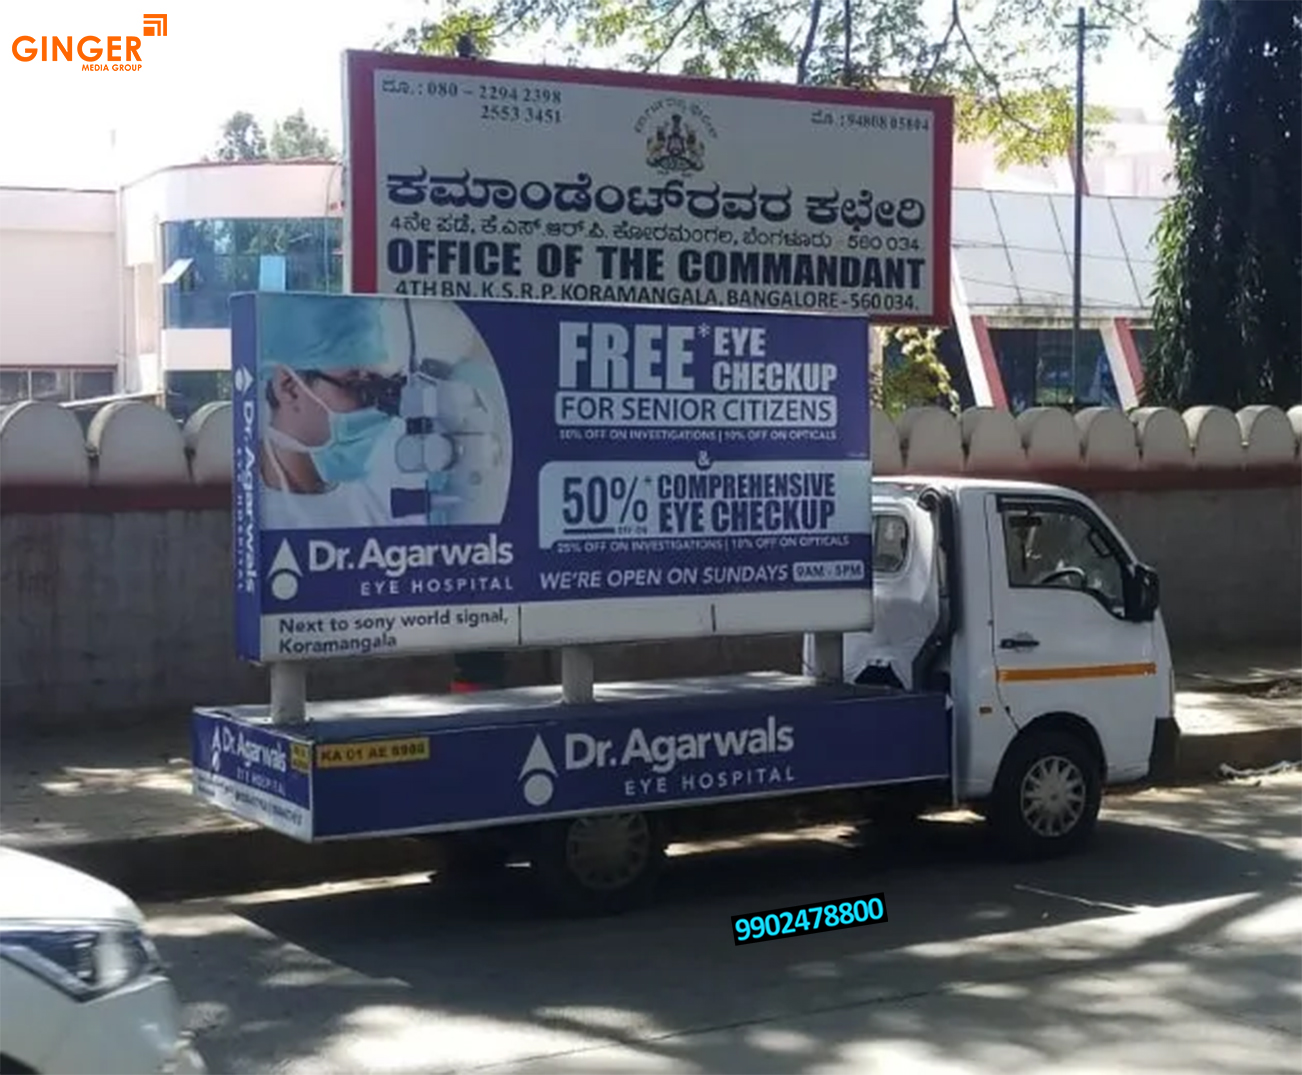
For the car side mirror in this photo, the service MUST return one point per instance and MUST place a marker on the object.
(1144, 594)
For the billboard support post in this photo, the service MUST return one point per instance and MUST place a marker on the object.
(288, 692)
(829, 657)
(578, 673)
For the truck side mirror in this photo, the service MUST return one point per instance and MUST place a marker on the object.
(1143, 594)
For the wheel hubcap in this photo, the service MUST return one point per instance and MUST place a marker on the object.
(607, 853)
(1053, 796)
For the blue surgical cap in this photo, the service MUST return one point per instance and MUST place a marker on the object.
(320, 332)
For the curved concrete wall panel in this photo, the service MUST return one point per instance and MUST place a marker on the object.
(931, 441)
(1050, 436)
(1295, 420)
(1163, 438)
(1215, 437)
(130, 443)
(137, 444)
(209, 439)
(42, 444)
(1109, 440)
(992, 443)
(1268, 438)
(887, 458)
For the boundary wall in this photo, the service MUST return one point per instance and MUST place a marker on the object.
(115, 592)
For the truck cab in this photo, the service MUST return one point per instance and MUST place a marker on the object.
(1028, 608)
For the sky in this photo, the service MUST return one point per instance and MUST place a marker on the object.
(64, 127)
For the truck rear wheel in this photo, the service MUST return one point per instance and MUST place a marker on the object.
(1047, 795)
(598, 865)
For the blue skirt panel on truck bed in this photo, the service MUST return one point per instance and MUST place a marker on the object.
(445, 762)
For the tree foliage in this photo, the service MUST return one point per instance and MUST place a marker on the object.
(918, 378)
(241, 139)
(1227, 310)
(1008, 63)
(294, 138)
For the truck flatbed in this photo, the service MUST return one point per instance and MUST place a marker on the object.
(436, 763)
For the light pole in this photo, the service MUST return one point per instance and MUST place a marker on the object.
(1078, 195)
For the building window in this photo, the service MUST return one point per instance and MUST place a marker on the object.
(55, 385)
(228, 256)
(950, 351)
(188, 390)
(14, 386)
(1035, 365)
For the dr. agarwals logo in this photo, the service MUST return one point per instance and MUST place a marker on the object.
(676, 132)
(215, 757)
(284, 573)
(538, 774)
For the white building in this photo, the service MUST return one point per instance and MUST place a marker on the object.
(126, 291)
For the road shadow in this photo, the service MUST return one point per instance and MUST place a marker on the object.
(326, 982)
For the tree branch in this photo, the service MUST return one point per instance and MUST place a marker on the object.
(1134, 24)
(942, 48)
(811, 37)
(522, 13)
(990, 79)
(849, 39)
(697, 8)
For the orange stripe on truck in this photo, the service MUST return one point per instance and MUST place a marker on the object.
(1080, 671)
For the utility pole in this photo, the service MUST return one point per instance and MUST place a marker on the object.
(486, 669)
(1078, 195)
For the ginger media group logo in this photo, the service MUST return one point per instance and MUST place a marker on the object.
(111, 51)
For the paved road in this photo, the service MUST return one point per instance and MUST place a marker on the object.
(1172, 947)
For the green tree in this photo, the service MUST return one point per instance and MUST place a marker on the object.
(1008, 63)
(918, 378)
(1227, 309)
(294, 138)
(241, 139)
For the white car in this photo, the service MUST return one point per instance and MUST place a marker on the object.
(83, 990)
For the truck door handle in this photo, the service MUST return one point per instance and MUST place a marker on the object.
(1019, 642)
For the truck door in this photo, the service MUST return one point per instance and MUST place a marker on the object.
(1062, 639)
(906, 596)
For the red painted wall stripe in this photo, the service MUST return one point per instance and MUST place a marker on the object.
(998, 397)
(1131, 353)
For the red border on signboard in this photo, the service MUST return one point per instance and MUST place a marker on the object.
(360, 68)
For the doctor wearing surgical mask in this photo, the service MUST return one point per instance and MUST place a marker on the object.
(321, 363)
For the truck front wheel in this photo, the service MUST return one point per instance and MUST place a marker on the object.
(1047, 795)
(598, 865)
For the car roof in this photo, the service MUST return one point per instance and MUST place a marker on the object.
(950, 482)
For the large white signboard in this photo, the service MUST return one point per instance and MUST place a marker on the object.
(476, 180)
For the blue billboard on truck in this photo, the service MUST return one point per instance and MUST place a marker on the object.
(387, 766)
(416, 475)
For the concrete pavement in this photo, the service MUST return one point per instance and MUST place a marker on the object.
(1173, 946)
(117, 802)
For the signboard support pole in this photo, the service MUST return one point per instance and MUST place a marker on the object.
(829, 657)
(577, 675)
(288, 693)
